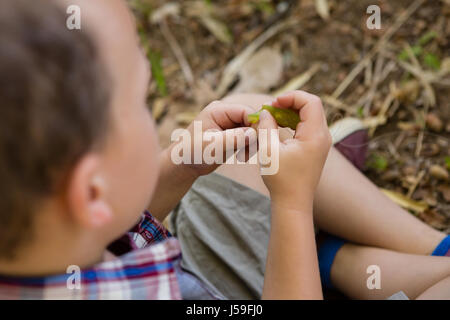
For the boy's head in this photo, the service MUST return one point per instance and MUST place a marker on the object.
(78, 150)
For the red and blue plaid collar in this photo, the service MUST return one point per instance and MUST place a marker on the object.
(143, 269)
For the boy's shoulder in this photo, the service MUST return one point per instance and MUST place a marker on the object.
(143, 269)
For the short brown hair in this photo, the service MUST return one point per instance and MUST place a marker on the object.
(53, 109)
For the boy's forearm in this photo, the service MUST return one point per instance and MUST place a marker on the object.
(173, 183)
(292, 270)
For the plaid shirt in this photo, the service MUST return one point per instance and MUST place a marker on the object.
(144, 269)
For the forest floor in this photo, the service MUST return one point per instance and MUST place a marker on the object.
(396, 79)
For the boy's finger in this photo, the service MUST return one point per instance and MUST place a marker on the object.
(229, 115)
(312, 115)
(267, 133)
(266, 121)
(239, 138)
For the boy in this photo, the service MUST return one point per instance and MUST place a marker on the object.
(80, 162)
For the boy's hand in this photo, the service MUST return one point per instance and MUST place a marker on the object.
(225, 119)
(301, 158)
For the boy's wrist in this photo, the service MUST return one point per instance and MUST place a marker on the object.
(302, 204)
(183, 171)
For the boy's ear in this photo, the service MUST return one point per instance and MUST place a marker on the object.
(86, 194)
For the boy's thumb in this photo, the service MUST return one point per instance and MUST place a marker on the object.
(266, 121)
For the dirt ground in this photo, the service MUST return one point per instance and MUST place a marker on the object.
(401, 91)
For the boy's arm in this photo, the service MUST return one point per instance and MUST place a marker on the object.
(292, 270)
(173, 183)
(175, 180)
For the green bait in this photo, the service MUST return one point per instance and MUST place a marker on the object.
(284, 117)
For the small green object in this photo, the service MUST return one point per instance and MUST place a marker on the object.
(432, 61)
(360, 112)
(447, 162)
(378, 162)
(284, 117)
(416, 50)
(427, 37)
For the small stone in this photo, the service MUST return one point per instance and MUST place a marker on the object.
(431, 150)
(445, 190)
(409, 170)
(438, 172)
(434, 123)
(430, 200)
(402, 114)
(411, 179)
(390, 175)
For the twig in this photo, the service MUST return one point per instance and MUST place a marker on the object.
(368, 75)
(177, 51)
(373, 88)
(382, 114)
(420, 137)
(380, 44)
(390, 66)
(393, 151)
(416, 183)
(424, 78)
(298, 81)
(431, 98)
(419, 143)
(336, 103)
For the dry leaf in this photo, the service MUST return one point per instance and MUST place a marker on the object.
(159, 107)
(217, 28)
(433, 218)
(323, 9)
(445, 190)
(434, 122)
(234, 66)
(205, 13)
(168, 9)
(261, 72)
(439, 172)
(405, 202)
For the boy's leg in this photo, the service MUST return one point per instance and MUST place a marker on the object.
(439, 291)
(412, 274)
(347, 204)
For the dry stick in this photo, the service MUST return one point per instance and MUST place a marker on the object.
(416, 183)
(430, 96)
(380, 44)
(431, 100)
(384, 74)
(424, 79)
(419, 143)
(368, 74)
(384, 109)
(234, 66)
(178, 52)
(298, 81)
(393, 151)
(373, 88)
(336, 103)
